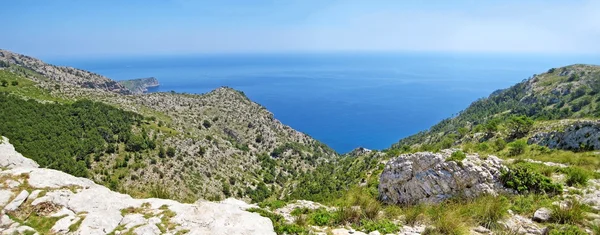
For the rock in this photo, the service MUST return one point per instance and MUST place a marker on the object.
(63, 212)
(343, 231)
(239, 203)
(5, 196)
(10, 158)
(132, 220)
(5, 221)
(521, 225)
(542, 215)
(580, 134)
(148, 229)
(63, 224)
(408, 230)
(481, 230)
(591, 194)
(15, 203)
(34, 195)
(11, 183)
(427, 177)
(375, 233)
(100, 222)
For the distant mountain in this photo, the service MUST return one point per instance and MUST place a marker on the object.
(196, 146)
(140, 85)
(41, 73)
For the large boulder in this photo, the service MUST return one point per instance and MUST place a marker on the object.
(426, 177)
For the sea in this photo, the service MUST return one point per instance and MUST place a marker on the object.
(345, 100)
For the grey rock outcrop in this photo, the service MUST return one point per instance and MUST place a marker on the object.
(429, 178)
(582, 135)
(10, 158)
(542, 215)
(101, 211)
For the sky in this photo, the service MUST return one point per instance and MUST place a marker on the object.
(155, 27)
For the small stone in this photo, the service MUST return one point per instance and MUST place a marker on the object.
(34, 195)
(15, 203)
(481, 229)
(542, 215)
(375, 233)
(5, 221)
(12, 183)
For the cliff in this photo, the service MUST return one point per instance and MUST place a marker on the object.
(140, 85)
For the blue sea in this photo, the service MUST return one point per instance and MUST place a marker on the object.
(345, 100)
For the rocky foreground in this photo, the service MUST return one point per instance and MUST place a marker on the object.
(43, 201)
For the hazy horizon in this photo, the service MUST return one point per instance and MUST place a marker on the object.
(178, 27)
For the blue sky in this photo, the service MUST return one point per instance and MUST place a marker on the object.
(135, 27)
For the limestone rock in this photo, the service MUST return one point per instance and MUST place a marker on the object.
(343, 231)
(148, 229)
(9, 158)
(578, 135)
(542, 215)
(5, 196)
(15, 203)
(429, 178)
(62, 225)
(521, 225)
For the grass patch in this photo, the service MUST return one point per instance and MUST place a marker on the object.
(383, 226)
(572, 213)
(279, 224)
(73, 227)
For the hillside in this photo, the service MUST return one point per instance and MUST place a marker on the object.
(571, 92)
(191, 146)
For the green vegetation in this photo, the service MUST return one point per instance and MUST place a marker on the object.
(570, 213)
(457, 156)
(65, 136)
(525, 179)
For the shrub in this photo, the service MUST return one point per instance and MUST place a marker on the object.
(170, 151)
(567, 229)
(457, 156)
(517, 147)
(322, 217)
(523, 178)
(576, 176)
(14, 83)
(273, 204)
(206, 124)
(383, 226)
(499, 144)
